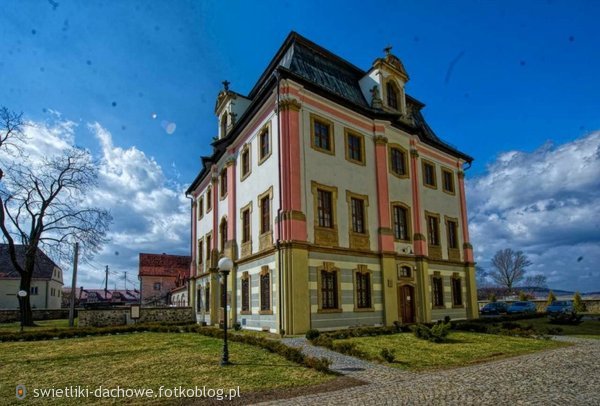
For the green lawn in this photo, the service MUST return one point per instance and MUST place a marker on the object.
(462, 349)
(144, 360)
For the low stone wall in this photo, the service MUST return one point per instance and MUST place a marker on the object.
(592, 305)
(121, 315)
(10, 316)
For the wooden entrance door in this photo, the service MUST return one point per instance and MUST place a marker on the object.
(406, 303)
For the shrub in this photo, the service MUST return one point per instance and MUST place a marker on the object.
(388, 354)
(237, 326)
(551, 298)
(446, 319)
(578, 304)
(438, 333)
(312, 334)
(493, 298)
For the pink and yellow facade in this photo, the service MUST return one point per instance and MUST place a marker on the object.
(338, 204)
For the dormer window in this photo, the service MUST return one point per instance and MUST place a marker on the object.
(392, 95)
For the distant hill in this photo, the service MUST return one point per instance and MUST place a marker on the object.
(539, 293)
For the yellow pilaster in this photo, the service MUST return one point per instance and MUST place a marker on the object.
(472, 308)
(424, 300)
(295, 290)
(389, 287)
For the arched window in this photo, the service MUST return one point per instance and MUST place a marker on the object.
(224, 118)
(392, 95)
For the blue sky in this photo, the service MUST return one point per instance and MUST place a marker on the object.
(138, 81)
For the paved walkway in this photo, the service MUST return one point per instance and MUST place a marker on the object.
(564, 376)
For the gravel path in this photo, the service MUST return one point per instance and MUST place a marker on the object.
(564, 376)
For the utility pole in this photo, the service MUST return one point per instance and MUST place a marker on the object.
(106, 283)
(73, 286)
(125, 280)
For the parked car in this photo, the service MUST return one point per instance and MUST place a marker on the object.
(560, 307)
(522, 308)
(494, 308)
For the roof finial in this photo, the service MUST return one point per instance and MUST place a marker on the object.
(226, 85)
(387, 50)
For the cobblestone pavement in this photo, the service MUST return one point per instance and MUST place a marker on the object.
(564, 376)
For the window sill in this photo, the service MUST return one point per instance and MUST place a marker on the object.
(322, 150)
(263, 159)
(245, 312)
(265, 312)
(364, 309)
(329, 311)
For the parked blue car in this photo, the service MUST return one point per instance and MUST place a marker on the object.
(560, 307)
(493, 309)
(522, 308)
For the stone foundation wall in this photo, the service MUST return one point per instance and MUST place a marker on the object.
(121, 315)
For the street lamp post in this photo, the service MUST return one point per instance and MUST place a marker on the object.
(225, 265)
(22, 294)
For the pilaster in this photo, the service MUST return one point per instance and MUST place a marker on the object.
(424, 300)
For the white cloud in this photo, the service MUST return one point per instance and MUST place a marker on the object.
(545, 203)
(150, 212)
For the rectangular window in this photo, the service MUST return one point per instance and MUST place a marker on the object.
(200, 207)
(245, 162)
(246, 294)
(329, 293)
(358, 215)
(401, 223)
(324, 208)
(437, 286)
(223, 186)
(433, 230)
(429, 174)
(223, 233)
(157, 286)
(208, 199)
(265, 147)
(451, 228)
(363, 290)
(448, 181)
(354, 147)
(398, 161)
(207, 298)
(246, 225)
(265, 214)
(265, 292)
(208, 247)
(456, 292)
(200, 251)
(322, 135)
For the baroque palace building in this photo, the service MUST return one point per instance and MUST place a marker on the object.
(336, 201)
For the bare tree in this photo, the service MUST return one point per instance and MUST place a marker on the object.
(509, 268)
(44, 205)
(535, 283)
(11, 132)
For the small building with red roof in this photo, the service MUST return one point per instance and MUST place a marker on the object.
(159, 274)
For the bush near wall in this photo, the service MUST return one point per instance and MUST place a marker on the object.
(12, 315)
